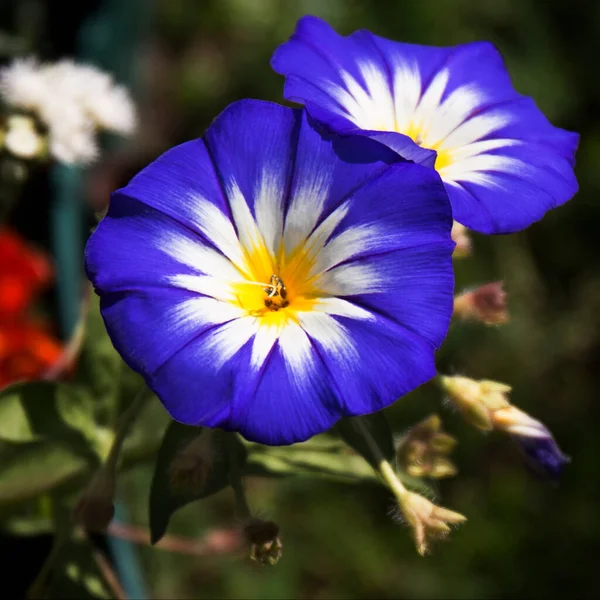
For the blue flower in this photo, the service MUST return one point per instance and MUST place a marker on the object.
(503, 164)
(269, 280)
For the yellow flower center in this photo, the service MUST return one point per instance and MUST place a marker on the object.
(276, 288)
(418, 136)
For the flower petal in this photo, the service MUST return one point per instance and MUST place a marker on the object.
(493, 145)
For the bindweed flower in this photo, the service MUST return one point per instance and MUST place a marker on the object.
(455, 109)
(428, 521)
(95, 509)
(486, 304)
(485, 404)
(423, 451)
(73, 101)
(191, 467)
(269, 280)
(263, 539)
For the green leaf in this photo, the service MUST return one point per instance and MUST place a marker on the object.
(379, 429)
(344, 468)
(170, 491)
(47, 410)
(27, 470)
(79, 575)
(100, 367)
(102, 371)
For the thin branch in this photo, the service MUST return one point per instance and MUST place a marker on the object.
(216, 541)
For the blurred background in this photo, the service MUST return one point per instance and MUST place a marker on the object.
(185, 60)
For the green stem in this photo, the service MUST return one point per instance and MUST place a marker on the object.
(385, 468)
(235, 479)
(123, 426)
(37, 588)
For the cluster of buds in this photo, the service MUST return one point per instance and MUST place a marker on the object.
(485, 404)
(263, 540)
(56, 109)
(428, 521)
(423, 451)
(486, 304)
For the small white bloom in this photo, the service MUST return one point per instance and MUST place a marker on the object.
(22, 84)
(73, 101)
(113, 110)
(22, 139)
(74, 145)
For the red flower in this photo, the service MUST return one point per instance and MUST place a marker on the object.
(23, 274)
(27, 351)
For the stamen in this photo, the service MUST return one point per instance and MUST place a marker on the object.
(277, 294)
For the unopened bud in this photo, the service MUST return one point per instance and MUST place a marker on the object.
(263, 539)
(477, 400)
(485, 405)
(191, 467)
(486, 304)
(95, 509)
(460, 236)
(534, 439)
(422, 451)
(428, 521)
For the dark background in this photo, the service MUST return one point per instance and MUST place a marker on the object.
(525, 538)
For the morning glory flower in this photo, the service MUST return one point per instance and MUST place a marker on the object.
(268, 279)
(503, 164)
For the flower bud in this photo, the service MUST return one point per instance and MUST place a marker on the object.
(95, 509)
(263, 539)
(191, 467)
(477, 400)
(485, 404)
(460, 236)
(428, 521)
(422, 451)
(486, 304)
(534, 439)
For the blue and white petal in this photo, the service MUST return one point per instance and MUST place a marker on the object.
(269, 279)
(504, 165)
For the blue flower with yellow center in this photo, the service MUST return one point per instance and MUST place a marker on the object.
(503, 164)
(269, 278)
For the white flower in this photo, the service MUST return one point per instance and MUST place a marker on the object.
(113, 110)
(76, 145)
(73, 101)
(94, 92)
(22, 139)
(23, 84)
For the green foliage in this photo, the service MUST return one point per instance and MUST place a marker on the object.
(45, 410)
(79, 575)
(192, 463)
(30, 469)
